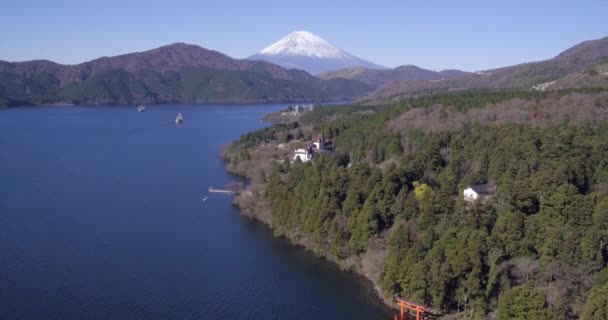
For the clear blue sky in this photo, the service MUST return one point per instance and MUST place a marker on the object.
(469, 35)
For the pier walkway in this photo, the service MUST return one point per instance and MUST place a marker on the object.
(212, 190)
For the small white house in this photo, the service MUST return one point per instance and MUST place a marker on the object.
(322, 144)
(319, 144)
(305, 154)
(469, 194)
(480, 191)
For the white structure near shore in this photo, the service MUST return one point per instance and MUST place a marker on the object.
(318, 146)
(321, 144)
(304, 154)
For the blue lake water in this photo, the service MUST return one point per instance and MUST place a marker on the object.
(101, 218)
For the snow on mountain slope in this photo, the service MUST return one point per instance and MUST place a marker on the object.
(307, 51)
(304, 43)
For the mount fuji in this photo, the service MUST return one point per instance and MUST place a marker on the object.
(307, 51)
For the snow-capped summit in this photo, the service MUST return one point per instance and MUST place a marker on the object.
(305, 50)
(303, 43)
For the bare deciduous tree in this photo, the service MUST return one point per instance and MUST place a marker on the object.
(524, 268)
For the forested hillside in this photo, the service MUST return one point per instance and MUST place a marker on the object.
(389, 203)
(178, 73)
(376, 78)
(186, 85)
(581, 65)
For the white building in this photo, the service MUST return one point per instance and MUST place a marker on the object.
(469, 194)
(319, 144)
(322, 144)
(305, 154)
(480, 191)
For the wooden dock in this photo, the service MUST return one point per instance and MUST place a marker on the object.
(212, 190)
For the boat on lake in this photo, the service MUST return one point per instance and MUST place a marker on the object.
(179, 119)
(141, 108)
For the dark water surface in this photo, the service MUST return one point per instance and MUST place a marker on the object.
(101, 218)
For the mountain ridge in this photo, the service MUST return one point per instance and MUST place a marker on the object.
(378, 78)
(173, 73)
(577, 59)
(184, 73)
(165, 58)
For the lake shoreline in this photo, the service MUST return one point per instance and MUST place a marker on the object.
(300, 241)
(253, 206)
(227, 102)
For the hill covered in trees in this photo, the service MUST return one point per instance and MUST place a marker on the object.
(581, 65)
(388, 203)
(376, 77)
(177, 73)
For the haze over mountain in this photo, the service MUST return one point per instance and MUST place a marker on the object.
(378, 78)
(582, 64)
(307, 51)
(174, 73)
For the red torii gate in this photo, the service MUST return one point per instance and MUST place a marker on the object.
(406, 307)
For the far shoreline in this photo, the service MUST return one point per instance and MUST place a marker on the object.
(224, 103)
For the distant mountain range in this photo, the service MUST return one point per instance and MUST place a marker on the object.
(182, 73)
(307, 51)
(378, 78)
(177, 73)
(581, 65)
